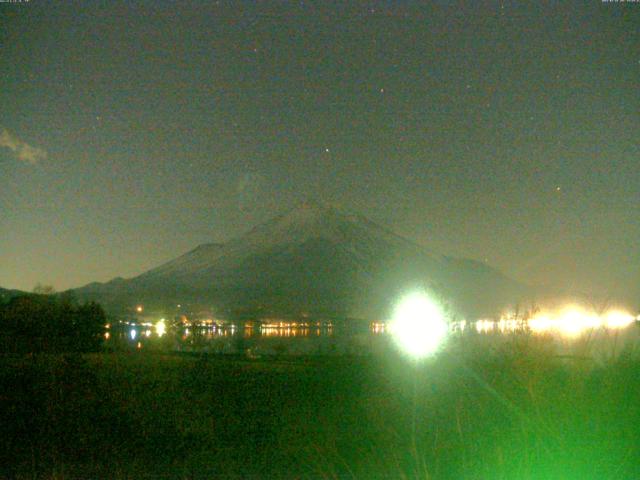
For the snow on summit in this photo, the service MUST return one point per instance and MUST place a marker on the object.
(316, 258)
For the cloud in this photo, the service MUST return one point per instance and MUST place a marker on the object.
(24, 152)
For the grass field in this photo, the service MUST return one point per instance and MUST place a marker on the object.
(514, 411)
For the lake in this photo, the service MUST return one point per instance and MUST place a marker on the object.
(361, 338)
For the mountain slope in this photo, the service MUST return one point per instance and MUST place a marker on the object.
(314, 260)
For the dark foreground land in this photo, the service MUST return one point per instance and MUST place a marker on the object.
(515, 412)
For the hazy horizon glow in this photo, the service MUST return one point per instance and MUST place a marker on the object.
(573, 321)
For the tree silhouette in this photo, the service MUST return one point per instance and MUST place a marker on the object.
(48, 323)
(41, 289)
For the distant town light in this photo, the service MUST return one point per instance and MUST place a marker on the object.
(540, 324)
(485, 326)
(618, 319)
(133, 333)
(161, 328)
(418, 325)
(574, 321)
(139, 309)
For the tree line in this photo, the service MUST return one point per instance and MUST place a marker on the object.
(50, 323)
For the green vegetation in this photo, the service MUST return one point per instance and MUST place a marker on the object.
(50, 323)
(516, 411)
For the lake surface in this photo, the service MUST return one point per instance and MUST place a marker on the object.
(357, 338)
(285, 338)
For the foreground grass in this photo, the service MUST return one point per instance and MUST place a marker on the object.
(474, 412)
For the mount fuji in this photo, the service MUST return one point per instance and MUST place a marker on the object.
(314, 260)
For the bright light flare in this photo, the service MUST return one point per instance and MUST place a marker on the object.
(419, 325)
(540, 324)
(574, 321)
(161, 328)
(618, 319)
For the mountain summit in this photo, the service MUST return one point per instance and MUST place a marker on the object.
(314, 259)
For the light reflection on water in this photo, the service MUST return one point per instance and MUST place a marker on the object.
(327, 338)
(284, 337)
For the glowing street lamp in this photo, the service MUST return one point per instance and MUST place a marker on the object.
(418, 325)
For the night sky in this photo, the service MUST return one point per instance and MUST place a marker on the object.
(130, 132)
